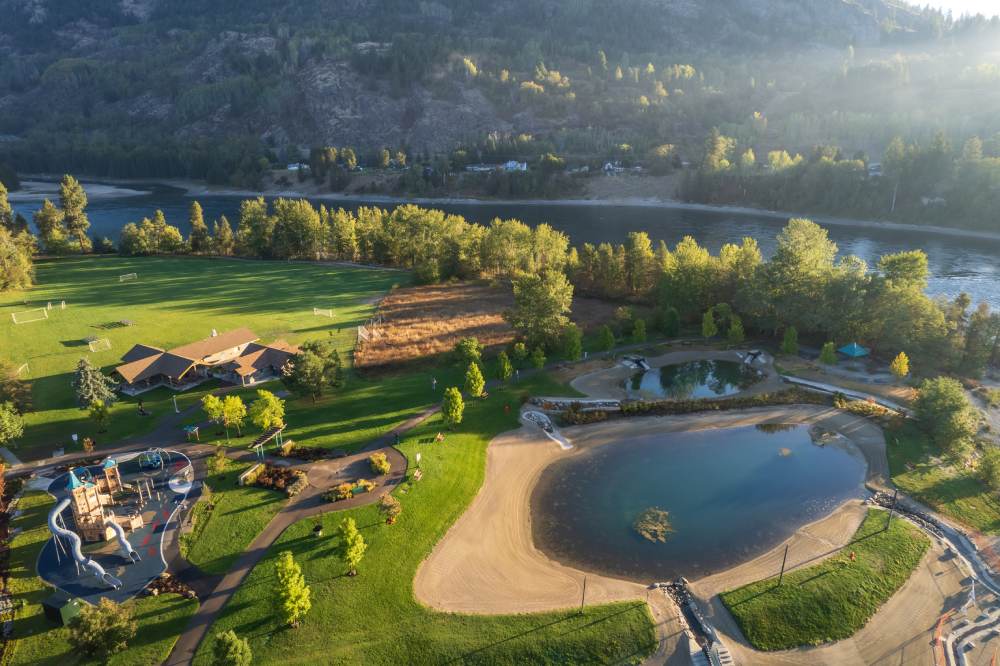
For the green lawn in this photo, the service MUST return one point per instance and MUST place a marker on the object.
(226, 519)
(175, 301)
(37, 641)
(923, 472)
(374, 619)
(831, 600)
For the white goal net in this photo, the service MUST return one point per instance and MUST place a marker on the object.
(101, 344)
(320, 312)
(128, 277)
(28, 316)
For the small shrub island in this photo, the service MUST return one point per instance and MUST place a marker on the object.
(653, 524)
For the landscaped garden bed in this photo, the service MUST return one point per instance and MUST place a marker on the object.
(289, 481)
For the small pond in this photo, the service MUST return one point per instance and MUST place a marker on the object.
(695, 379)
(729, 494)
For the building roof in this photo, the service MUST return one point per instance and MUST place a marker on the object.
(140, 352)
(143, 361)
(258, 357)
(215, 344)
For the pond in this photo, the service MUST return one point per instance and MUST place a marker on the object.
(729, 495)
(694, 379)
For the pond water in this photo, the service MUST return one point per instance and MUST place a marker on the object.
(695, 379)
(731, 494)
(956, 264)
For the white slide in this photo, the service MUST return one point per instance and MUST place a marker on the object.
(75, 543)
(127, 549)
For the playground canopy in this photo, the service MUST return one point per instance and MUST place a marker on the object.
(854, 350)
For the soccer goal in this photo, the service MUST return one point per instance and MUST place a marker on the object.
(128, 277)
(320, 312)
(21, 370)
(100, 344)
(29, 316)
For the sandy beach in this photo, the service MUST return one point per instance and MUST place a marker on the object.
(37, 190)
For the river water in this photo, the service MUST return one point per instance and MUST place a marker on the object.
(957, 264)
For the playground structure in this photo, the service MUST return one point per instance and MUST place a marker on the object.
(126, 508)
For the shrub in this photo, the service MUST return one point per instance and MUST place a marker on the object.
(828, 355)
(538, 358)
(231, 650)
(574, 415)
(341, 491)
(365, 486)
(379, 463)
(790, 342)
(606, 339)
(792, 396)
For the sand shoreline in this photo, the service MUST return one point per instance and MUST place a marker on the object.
(120, 188)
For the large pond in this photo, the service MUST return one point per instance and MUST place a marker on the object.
(730, 494)
(956, 264)
(695, 379)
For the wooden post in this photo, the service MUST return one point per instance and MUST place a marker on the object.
(583, 598)
(784, 558)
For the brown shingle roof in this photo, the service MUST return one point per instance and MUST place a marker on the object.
(139, 352)
(257, 357)
(164, 363)
(199, 350)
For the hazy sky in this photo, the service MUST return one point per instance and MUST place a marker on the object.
(959, 7)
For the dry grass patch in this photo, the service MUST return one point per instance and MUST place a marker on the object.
(427, 320)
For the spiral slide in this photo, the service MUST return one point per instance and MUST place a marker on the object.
(75, 544)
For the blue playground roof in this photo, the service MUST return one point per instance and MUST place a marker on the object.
(109, 463)
(73, 482)
(854, 350)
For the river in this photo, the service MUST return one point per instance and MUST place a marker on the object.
(957, 264)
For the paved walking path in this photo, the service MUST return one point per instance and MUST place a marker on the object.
(307, 504)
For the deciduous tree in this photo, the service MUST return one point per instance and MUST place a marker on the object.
(11, 424)
(352, 545)
(231, 650)
(102, 630)
(293, 595)
(541, 303)
(390, 508)
(900, 366)
(474, 382)
(267, 411)
(452, 407)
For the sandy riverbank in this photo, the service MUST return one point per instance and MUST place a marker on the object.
(201, 189)
(38, 190)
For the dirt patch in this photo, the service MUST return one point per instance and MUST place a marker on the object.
(423, 321)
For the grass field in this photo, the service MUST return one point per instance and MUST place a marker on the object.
(834, 599)
(36, 641)
(922, 471)
(175, 301)
(227, 519)
(374, 619)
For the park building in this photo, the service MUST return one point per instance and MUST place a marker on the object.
(234, 356)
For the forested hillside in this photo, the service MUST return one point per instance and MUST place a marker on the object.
(226, 90)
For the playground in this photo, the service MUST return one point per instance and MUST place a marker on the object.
(109, 522)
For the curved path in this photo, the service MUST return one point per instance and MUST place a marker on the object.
(304, 505)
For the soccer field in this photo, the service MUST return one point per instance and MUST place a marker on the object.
(171, 302)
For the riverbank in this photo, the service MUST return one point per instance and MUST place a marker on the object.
(111, 188)
(39, 190)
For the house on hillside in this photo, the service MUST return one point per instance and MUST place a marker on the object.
(234, 356)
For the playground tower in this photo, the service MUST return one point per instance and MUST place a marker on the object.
(90, 496)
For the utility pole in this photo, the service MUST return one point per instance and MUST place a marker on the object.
(891, 509)
(784, 558)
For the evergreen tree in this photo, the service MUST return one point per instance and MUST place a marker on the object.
(708, 327)
(520, 353)
(538, 358)
(200, 241)
(474, 382)
(639, 330)
(606, 338)
(736, 334)
(790, 342)
(452, 407)
(468, 350)
(231, 650)
(49, 221)
(90, 384)
(99, 414)
(828, 354)
(572, 342)
(352, 545)
(6, 211)
(316, 368)
(224, 244)
(504, 367)
(293, 595)
(73, 201)
(900, 366)
(672, 323)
